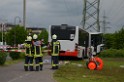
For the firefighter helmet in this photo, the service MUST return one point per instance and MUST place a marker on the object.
(54, 36)
(35, 36)
(29, 38)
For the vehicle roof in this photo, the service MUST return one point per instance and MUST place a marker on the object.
(95, 33)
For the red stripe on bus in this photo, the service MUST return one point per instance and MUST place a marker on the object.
(68, 53)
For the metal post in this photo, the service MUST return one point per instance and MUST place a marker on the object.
(84, 14)
(24, 13)
(98, 25)
(2, 26)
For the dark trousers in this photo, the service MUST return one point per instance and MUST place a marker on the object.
(55, 62)
(28, 62)
(39, 63)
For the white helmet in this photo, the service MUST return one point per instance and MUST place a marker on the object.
(35, 36)
(29, 38)
(54, 36)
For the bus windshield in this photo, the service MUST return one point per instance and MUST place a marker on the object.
(63, 32)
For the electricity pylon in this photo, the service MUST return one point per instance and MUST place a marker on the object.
(91, 15)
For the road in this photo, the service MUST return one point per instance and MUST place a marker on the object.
(16, 73)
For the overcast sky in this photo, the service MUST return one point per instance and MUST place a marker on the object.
(42, 13)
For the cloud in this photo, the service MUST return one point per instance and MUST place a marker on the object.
(54, 11)
(42, 13)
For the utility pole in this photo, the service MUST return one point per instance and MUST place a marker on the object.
(91, 15)
(24, 13)
(2, 31)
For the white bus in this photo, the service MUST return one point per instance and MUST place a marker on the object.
(75, 41)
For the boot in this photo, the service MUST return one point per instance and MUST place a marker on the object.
(41, 66)
(56, 67)
(37, 68)
(53, 67)
(26, 68)
(31, 68)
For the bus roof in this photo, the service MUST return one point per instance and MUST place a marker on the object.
(95, 32)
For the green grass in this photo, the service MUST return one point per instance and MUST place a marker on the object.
(10, 62)
(112, 72)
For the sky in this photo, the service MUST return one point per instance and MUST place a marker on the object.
(42, 13)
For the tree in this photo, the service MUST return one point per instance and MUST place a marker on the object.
(44, 35)
(109, 40)
(119, 39)
(16, 35)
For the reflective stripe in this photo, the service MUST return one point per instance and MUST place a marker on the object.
(54, 54)
(36, 64)
(41, 63)
(53, 65)
(31, 64)
(35, 52)
(25, 64)
(56, 64)
(37, 55)
(28, 46)
(56, 46)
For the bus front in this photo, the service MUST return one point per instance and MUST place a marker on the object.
(66, 35)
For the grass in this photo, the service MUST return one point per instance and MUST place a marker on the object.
(10, 62)
(112, 72)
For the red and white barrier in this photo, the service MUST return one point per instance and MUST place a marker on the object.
(3, 47)
(22, 50)
(12, 50)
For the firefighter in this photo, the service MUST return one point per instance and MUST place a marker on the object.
(37, 53)
(28, 56)
(55, 52)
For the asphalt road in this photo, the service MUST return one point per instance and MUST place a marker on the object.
(16, 73)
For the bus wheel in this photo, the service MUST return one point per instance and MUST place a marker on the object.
(99, 63)
(92, 65)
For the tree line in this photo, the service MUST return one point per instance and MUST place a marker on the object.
(114, 40)
(17, 35)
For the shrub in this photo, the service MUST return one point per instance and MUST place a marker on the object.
(22, 55)
(14, 55)
(112, 53)
(3, 56)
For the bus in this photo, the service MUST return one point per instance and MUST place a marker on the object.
(75, 41)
